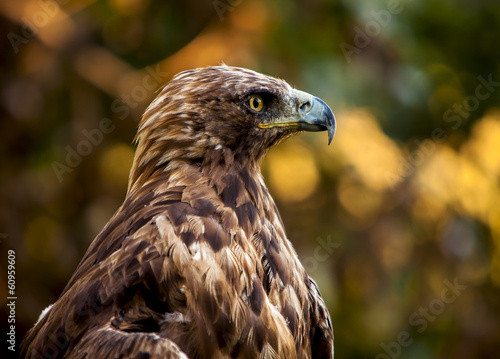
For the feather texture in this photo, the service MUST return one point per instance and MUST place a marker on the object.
(195, 263)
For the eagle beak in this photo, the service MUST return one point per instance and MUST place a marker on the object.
(310, 114)
(314, 114)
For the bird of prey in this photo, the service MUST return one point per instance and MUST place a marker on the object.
(196, 262)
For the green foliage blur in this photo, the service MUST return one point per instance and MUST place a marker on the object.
(398, 220)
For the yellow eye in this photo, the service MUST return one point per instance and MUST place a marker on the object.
(256, 103)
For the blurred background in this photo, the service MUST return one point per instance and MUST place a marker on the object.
(398, 220)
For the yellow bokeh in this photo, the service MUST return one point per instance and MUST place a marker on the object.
(484, 144)
(362, 144)
(360, 201)
(428, 208)
(293, 174)
(475, 192)
(52, 24)
(465, 180)
(437, 175)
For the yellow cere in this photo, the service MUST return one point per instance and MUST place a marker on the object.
(277, 124)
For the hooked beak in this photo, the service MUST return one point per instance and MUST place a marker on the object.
(312, 114)
(315, 115)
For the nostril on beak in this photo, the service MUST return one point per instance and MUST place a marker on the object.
(305, 106)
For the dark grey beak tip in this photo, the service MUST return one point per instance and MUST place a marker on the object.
(331, 128)
(327, 119)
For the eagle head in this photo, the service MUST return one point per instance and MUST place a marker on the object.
(223, 113)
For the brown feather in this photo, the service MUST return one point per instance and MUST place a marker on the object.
(195, 263)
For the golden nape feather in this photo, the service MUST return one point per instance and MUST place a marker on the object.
(196, 262)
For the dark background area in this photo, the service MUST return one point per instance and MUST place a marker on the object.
(398, 220)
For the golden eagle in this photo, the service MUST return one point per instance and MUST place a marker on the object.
(196, 263)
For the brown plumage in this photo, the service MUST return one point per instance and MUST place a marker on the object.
(196, 263)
